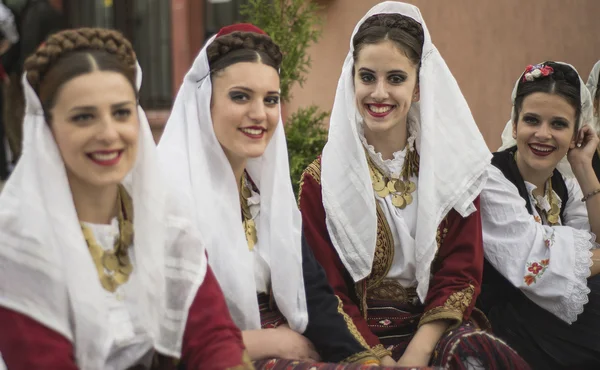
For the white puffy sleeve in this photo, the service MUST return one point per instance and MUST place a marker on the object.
(549, 264)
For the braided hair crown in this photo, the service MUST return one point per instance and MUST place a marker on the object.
(66, 42)
(404, 31)
(239, 41)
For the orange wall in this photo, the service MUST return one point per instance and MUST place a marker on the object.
(486, 44)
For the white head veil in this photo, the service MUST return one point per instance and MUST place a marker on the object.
(453, 158)
(46, 271)
(585, 119)
(196, 162)
(592, 85)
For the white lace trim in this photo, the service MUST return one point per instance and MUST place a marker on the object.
(389, 167)
(576, 292)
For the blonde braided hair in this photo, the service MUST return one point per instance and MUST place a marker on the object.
(92, 41)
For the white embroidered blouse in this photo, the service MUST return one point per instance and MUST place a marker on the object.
(131, 345)
(402, 222)
(549, 264)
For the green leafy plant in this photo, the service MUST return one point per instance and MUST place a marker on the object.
(306, 137)
(294, 25)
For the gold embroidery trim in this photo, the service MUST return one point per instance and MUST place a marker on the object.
(351, 327)
(245, 365)
(360, 289)
(384, 251)
(392, 290)
(461, 300)
(365, 357)
(314, 171)
(453, 309)
(380, 351)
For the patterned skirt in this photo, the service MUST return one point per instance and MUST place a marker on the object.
(271, 317)
(467, 347)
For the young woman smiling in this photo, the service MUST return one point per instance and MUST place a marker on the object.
(391, 216)
(539, 226)
(225, 148)
(101, 267)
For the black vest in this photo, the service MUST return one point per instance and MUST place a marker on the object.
(505, 162)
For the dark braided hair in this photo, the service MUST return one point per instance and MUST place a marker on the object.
(238, 47)
(564, 81)
(404, 31)
(72, 53)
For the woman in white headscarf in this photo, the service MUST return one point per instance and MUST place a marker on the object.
(224, 147)
(390, 208)
(563, 166)
(541, 291)
(100, 266)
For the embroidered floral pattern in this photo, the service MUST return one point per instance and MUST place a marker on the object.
(549, 241)
(536, 270)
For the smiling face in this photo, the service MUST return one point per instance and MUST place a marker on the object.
(544, 132)
(245, 109)
(95, 124)
(385, 86)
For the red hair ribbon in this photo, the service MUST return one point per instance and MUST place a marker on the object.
(240, 27)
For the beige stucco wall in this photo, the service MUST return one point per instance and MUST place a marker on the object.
(486, 44)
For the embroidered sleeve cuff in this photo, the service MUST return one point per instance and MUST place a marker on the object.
(442, 313)
(380, 351)
(453, 309)
(366, 357)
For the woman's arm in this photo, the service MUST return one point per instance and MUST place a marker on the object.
(211, 340)
(550, 265)
(580, 158)
(26, 344)
(455, 285)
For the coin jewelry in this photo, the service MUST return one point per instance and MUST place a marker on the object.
(114, 266)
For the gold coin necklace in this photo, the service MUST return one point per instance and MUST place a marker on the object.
(552, 216)
(401, 188)
(247, 221)
(114, 266)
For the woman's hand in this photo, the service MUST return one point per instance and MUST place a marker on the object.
(583, 148)
(292, 345)
(414, 359)
(387, 361)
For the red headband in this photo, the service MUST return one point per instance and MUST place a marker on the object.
(240, 27)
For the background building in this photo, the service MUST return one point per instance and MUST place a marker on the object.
(485, 43)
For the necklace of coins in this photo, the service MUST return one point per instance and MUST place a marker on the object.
(247, 221)
(114, 266)
(401, 188)
(553, 214)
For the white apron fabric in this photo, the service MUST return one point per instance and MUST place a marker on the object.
(196, 163)
(453, 160)
(43, 249)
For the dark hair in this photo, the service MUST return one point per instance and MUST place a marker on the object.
(564, 82)
(404, 31)
(72, 53)
(238, 47)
